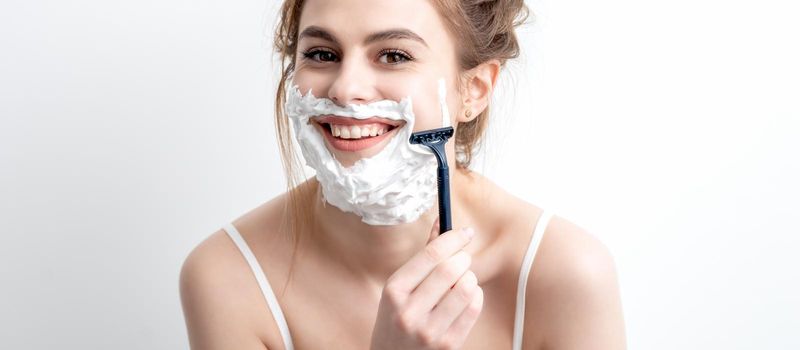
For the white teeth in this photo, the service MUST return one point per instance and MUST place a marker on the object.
(358, 131)
(345, 133)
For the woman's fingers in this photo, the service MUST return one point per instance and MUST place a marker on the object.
(438, 284)
(412, 273)
(459, 330)
(426, 302)
(453, 304)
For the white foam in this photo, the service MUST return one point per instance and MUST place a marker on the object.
(395, 186)
(443, 103)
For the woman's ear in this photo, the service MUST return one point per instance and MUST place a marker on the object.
(477, 90)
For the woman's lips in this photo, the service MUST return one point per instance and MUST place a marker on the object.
(355, 144)
(332, 119)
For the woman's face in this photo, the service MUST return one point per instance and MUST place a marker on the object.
(362, 51)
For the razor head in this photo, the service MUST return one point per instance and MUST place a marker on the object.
(432, 137)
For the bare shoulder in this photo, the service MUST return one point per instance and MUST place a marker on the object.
(571, 256)
(219, 293)
(573, 296)
(213, 286)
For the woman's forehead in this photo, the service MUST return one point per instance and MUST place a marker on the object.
(358, 21)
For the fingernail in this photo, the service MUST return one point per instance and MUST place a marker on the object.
(469, 232)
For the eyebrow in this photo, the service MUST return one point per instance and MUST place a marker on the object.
(394, 33)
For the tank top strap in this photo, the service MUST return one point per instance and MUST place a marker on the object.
(527, 263)
(263, 283)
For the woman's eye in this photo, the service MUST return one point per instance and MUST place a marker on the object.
(387, 56)
(322, 55)
(394, 57)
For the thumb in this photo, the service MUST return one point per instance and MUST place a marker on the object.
(434, 230)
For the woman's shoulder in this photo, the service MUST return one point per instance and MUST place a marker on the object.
(564, 243)
(570, 260)
(567, 252)
(217, 256)
(572, 284)
(250, 226)
(217, 285)
(572, 295)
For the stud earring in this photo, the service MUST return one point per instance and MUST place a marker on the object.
(468, 114)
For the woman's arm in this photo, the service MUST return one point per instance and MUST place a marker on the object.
(212, 300)
(575, 295)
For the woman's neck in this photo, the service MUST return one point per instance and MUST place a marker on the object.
(373, 253)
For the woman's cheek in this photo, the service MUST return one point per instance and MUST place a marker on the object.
(427, 116)
(309, 80)
(428, 111)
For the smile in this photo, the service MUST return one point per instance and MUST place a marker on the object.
(352, 135)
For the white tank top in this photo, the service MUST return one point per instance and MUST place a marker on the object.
(277, 313)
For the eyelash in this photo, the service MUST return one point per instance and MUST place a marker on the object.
(314, 51)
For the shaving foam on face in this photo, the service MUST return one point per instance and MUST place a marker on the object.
(443, 103)
(395, 186)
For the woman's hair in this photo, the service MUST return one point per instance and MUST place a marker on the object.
(483, 29)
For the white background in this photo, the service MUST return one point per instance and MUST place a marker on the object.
(130, 131)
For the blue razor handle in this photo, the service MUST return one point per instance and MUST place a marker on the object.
(445, 222)
(435, 140)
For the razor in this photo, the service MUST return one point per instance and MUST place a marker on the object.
(435, 139)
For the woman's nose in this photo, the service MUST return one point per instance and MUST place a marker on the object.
(354, 84)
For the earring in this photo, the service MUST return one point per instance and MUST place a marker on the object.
(468, 114)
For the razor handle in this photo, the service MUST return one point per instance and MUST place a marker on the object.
(435, 140)
(443, 179)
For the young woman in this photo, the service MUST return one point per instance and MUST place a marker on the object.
(321, 267)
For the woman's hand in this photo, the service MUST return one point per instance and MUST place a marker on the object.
(433, 300)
